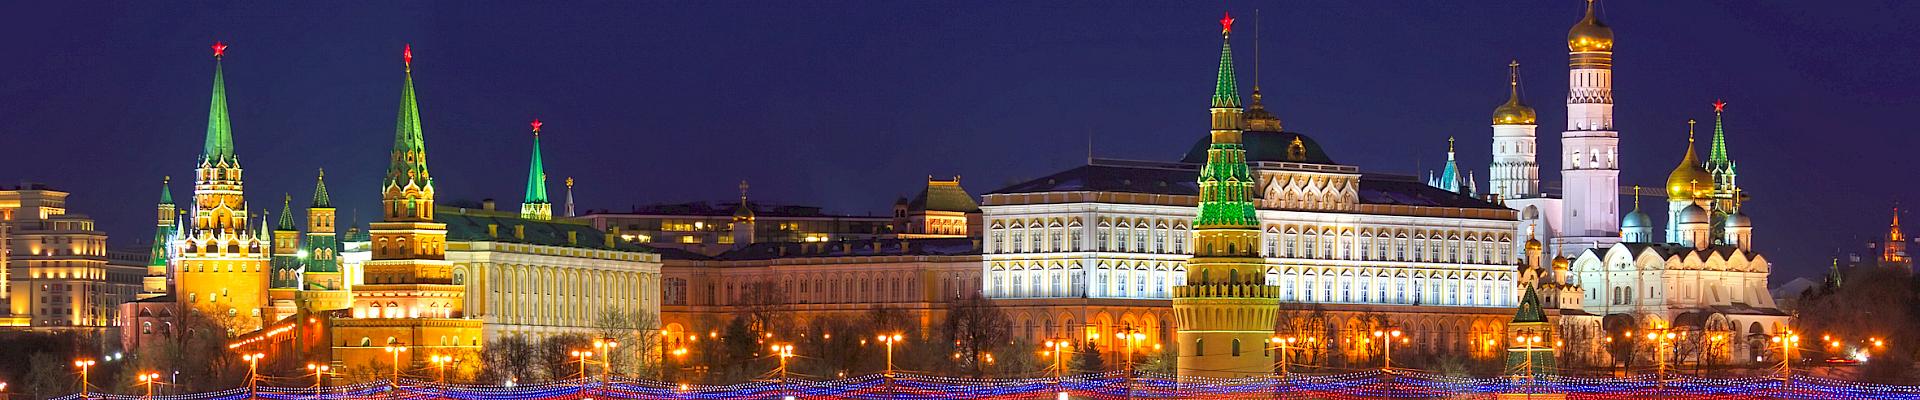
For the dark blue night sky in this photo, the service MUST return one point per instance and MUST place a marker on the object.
(850, 104)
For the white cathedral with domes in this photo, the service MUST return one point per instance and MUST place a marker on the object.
(1614, 276)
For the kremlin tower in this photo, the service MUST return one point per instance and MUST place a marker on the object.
(1515, 173)
(408, 297)
(324, 287)
(154, 284)
(1590, 148)
(1226, 309)
(222, 264)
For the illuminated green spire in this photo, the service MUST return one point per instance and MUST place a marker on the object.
(286, 213)
(1226, 185)
(320, 198)
(1529, 310)
(163, 235)
(1717, 159)
(219, 146)
(409, 164)
(536, 171)
(166, 191)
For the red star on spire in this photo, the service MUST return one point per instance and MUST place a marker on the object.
(1719, 106)
(219, 49)
(536, 126)
(406, 55)
(1226, 23)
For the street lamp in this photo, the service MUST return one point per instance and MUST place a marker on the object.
(1059, 348)
(1285, 346)
(889, 340)
(253, 370)
(605, 346)
(582, 355)
(1529, 342)
(84, 365)
(1388, 337)
(147, 379)
(784, 351)
(395, 350)
(318, 372)
(1788, 342)
(440, 363)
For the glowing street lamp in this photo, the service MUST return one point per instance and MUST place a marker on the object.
(784, 352)
(582, 355)
(319, 371)
(83, 365)
(889, 340)
(1387, 356)
(440, 363)
(395, 350)
(253, 370)
(1059, 348)
(605, 347)
(1788, 342)
(1285, 346)
(146, 379)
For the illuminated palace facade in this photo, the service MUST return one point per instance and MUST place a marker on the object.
(437, 279)
(55, 268)
(1086, 253)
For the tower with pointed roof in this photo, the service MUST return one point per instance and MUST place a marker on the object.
(322, 286)
(536, 206)
(1590, 147)
(1531, 347)
(1515, 173)
(1450, 178)
(284, 280)
(1893, 253)
(1726, 188)
(407, 295)
(570, 213)
(223, 261)
(154, 284)
(1225, 309)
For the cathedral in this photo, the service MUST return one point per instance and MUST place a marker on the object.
(1697, 275)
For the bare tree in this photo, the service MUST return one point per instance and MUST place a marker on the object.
(637, 334)
(1872, 303)
(976, 325)
(509, 359)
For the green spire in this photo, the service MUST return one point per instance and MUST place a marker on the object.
(166, 190)
(286, 213)
(1717, 159)
(1226, 185)
(409, 164)
(1226, 89)
(536, 171)
(1529, 308)
(320, 199)
(219, 145)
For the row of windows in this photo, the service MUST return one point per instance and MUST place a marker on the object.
(1141, 282)
(1060, 239)
(1286, 245)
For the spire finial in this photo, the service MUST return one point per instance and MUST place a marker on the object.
(743, 192)
(1256, 53)
(1513, 72)
(1449, 145)
(323, 173)
(1636, 197)
(569, 183)
(219, 50)
(1690, 133)
(406, 56)
(1226, 23)
(166, 179)
(1719, 106)
(536, 126)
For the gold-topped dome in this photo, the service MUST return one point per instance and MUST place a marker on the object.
(1590, 34)
(1688, 180)
(1513, 112)
(1560, 263)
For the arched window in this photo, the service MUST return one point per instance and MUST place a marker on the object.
(1199, 347)
(1236, 347)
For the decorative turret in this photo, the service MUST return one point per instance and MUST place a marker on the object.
(1893, 252)
(535, 206)
(154, 283)
(284, 280)
(1225, 309)
(323, 286)
(570, 213)
(1532, 348)
(1450, 178)
(222, 259)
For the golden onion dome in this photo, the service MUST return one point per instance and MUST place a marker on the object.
(1590, 34)
(1560, 263)
(1688, 179)
(1533, 245)
(1514, 111)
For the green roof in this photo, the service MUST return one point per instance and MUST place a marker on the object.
(1226, 89)
(166, 192)
(286, 213)
(470, 225)
(1529, 310)
(944, 196)
(320, 198)
(409, 159)
(1717, 158)
(219, 146)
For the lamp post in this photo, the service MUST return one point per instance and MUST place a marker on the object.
(1529, 342)
(605, 346)
(784, 351)
(582, 355)
(253, 372)
(1284, 345)
(395, 350)
(84, 365)
(889, 340)
(1660, 339)
(1789, 342)
(1059, 348)
(440, 363)
(1133, 337)
(146, 379)
(319, 371)
(1387, 336)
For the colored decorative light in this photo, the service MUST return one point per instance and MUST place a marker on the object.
(406, 55)
(219, 49)
(1226, 23)
(536, 126)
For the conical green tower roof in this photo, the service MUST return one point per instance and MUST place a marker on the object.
(1225, 182)
(1226, 89)
(1529, 310)
(219, 146)
(409, 164)
(286, 213)
(320, 199)
(1717, 158)
(166, 190)
(536, 172)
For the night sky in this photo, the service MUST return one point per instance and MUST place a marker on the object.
(850, 104)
